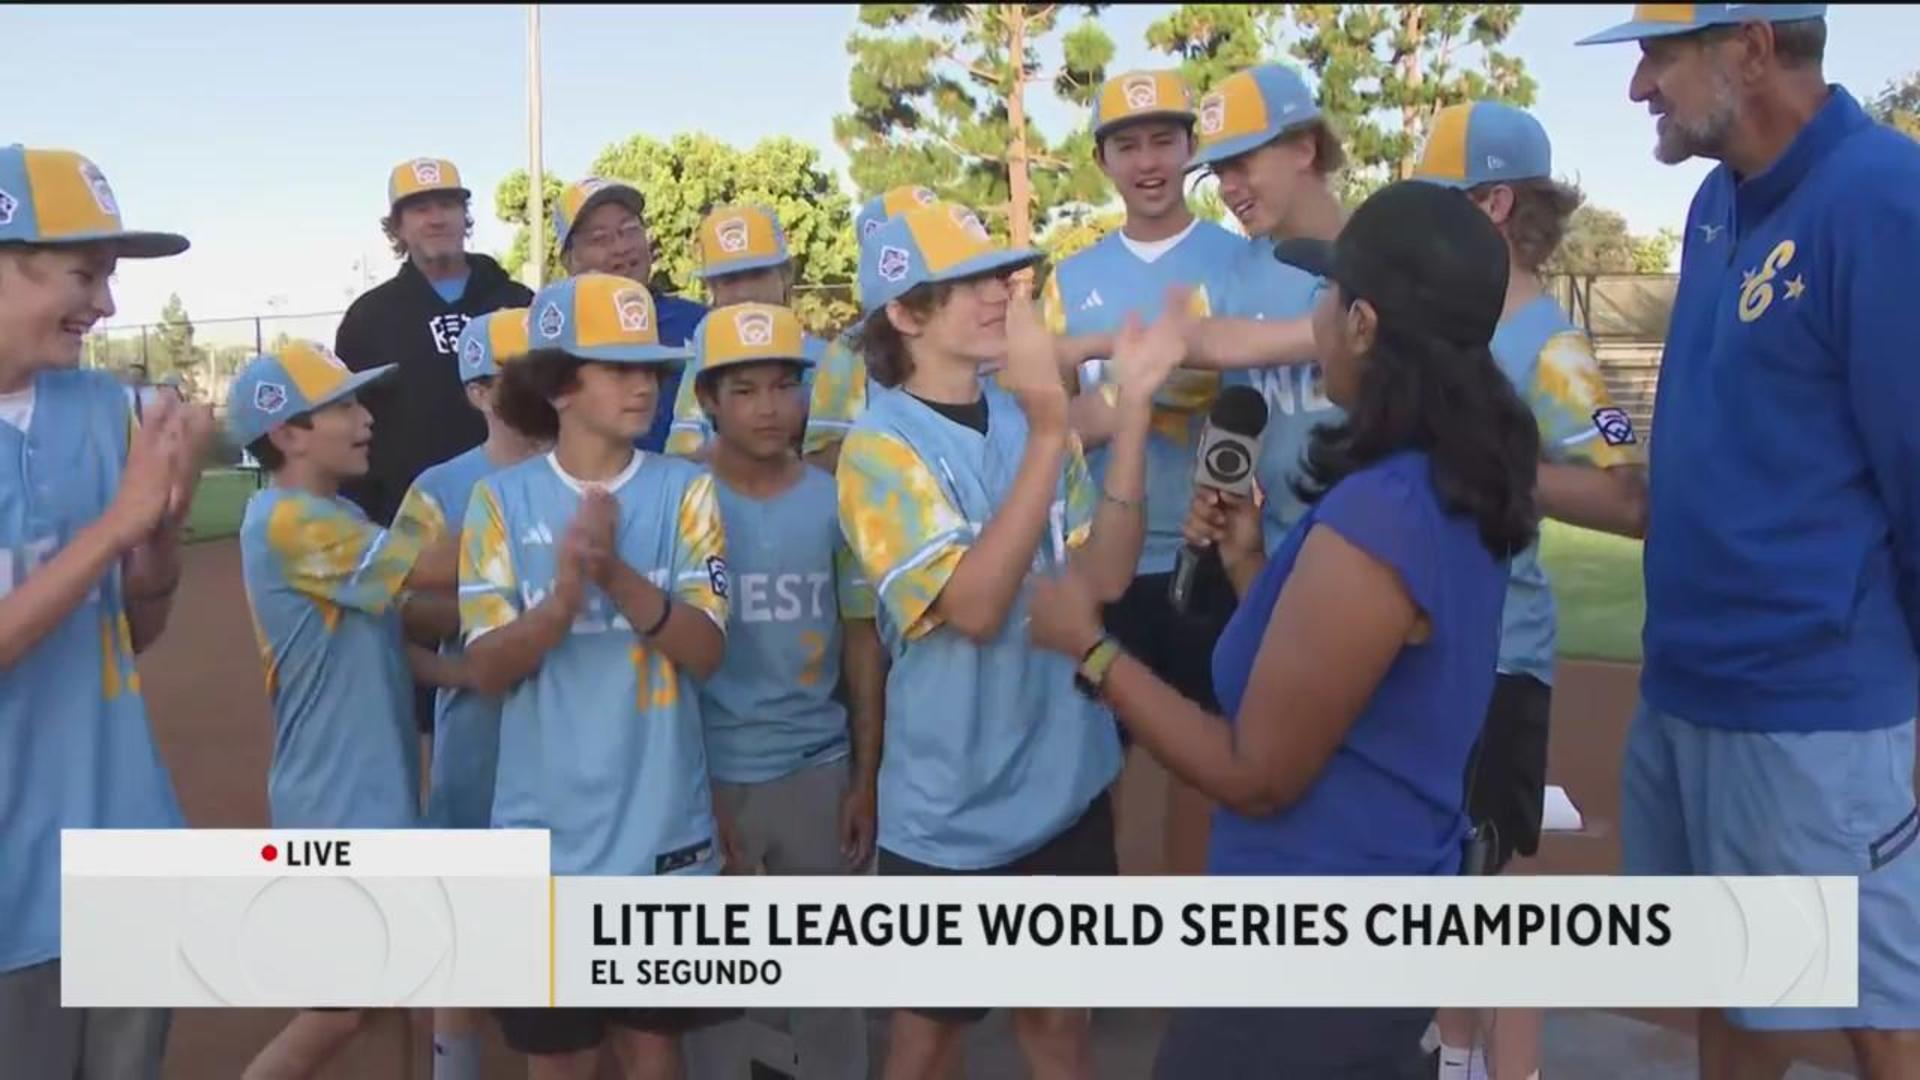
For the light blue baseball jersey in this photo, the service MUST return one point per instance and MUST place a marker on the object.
(322, 582)
(770, 709)
(1093, 292)
(466, 724)
(1550, 362)
(693, 429)
(76, 751)
(991, 752)
(1262, 288)
(603, 743)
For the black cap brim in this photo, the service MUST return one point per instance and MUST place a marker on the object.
(1313, 256)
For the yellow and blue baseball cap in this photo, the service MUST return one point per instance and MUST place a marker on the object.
(582, 196)
(735, 239)
(750, 334)
(600, 317)
(1484, 142)
(59, 197)
(423, 176)
(1666, 20)
(1141, 95)
(490, 341)
(891, 203)
(1250, 109)
(940, 242)
(277, 387)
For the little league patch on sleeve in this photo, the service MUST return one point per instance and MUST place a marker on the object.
(717, 575)
(1615, 426)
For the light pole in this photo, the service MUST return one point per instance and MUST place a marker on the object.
(536, 182)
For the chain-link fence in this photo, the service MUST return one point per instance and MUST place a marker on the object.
(1625, 314)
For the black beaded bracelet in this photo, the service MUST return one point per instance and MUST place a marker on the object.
(666, 610)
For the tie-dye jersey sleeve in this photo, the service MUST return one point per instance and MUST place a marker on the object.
(1579, 423)
(1053, 311)
(331, 554)
(691, 428)
(905, 534)
(839, 396)
(1083, 497)
(854, 591)
(422, 514)
(489, 585)
(700, 552)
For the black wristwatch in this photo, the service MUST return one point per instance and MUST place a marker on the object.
(1090, 676)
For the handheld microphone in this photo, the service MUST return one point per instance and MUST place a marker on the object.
(1229, 449)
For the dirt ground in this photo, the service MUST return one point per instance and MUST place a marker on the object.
(205, 692)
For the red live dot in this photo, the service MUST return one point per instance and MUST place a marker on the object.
(269, 853)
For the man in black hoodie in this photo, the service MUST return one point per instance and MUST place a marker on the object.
(421, 417)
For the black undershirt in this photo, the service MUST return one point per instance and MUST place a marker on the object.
(973, 414)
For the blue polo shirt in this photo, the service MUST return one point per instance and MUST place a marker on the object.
(1784, 538)
(678, 318)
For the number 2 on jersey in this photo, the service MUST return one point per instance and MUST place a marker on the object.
(815, 643)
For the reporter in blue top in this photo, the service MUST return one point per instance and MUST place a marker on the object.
(1775, 734)
(1356, 673)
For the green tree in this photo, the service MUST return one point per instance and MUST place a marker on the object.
(688, 176)
(171, 351)
(1075, 233)
(510, 205)
(1212, 41)
(1382, 70)
(939, 95)
(1899, 105)
(1599, 242)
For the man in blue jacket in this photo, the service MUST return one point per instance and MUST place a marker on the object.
(1776, 731)
(602, 228)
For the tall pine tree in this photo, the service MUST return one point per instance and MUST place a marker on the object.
(940, 98)
(1381, 70)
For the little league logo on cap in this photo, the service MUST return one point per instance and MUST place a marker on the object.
(731, 234)
(52, 197)
(601, 317)
(419, 176)
(1141, 92)
(473, 354)
(1213, 113)
(102, 191)
(894, 263)
(1250, 109)
(633, 310)
(754, 327)
(931, 244)
(269, 397)
(300, 378)
(970, 221)
(750, 333)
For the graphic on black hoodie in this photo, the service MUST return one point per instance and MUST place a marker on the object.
(420, 416)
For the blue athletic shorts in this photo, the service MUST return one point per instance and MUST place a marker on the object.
(1710, 801)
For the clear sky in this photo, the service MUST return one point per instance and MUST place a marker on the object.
(265, 133)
